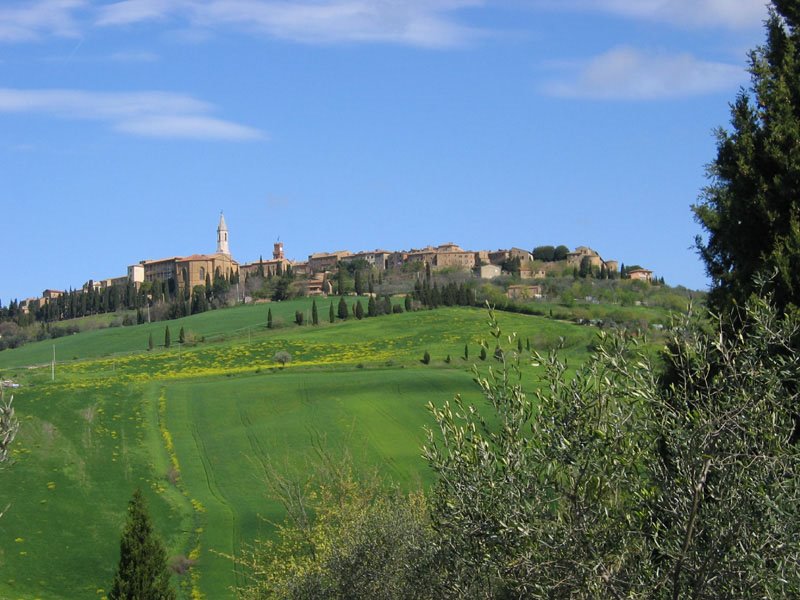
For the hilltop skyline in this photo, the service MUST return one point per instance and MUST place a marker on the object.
(128, 126)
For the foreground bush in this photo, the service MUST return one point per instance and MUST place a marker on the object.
(344, 538)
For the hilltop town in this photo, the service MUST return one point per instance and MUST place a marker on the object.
(181, 274)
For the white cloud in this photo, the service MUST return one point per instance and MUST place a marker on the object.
(427, 23)
(734, 14)
(29, 21)
(629, 74)
(149, 114)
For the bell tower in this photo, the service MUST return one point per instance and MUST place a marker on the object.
(222, 236)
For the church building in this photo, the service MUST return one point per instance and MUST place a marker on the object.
(189, 271)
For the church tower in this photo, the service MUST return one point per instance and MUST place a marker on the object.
(222, 236)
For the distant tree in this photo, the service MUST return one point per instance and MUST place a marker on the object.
(585, 269)
(407, 303)
(560, 253)
(340, 281)
(426, 358)
(483, 353)
(269, 318)
(372, 307)
(331, 316)
(359, 310)
(282, 357)
(387, 305)
(466, 351)
(281, 291)
(298, 317)
(519, 345)
(371, 287)
(314, 314)
(142, 570)
(528, 344)
(166, 337)
(544, 253)
(342, 309)
(447, 360)
(182, 336)
(150, 341)
(359, 283)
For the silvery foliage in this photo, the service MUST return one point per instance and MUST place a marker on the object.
(8, 426)
(605, 482)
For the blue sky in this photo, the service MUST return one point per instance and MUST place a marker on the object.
(126, 126)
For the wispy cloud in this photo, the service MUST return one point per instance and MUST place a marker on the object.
(630, 74)
(29, 21)
(149, 114)
(427, 23)
(734, 14)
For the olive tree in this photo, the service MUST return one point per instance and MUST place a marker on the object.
(608, 483)
(8, 430)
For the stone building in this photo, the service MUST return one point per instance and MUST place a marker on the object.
(376, 258)
(524, 292)
(325, 261)
(640, 275)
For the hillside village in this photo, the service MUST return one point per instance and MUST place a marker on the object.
(184, 273)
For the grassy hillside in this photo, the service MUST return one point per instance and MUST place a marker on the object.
(195, 427)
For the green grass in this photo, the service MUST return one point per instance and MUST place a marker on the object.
(102, 429)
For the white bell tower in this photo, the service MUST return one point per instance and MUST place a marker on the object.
(222, 236)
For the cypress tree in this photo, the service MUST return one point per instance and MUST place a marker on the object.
(483, 353)
(519, 345)
(269, 318)
(343, 311)
(314, 315)
(407, 303)
(150, 341)
(142, 570)
(166, 337)
(528, 344)
(331, 316)
(372, 307)
(182, 336)
(359, 310)
(466, 351)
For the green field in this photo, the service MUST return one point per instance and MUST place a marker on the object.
(216, 412)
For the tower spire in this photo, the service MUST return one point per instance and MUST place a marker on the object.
(222, 236)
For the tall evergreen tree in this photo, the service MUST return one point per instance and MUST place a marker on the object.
(314, 314)
(358, 310)
(751, 209)
(166, 337)
(331, 316)
(142, 571)
(150, 341)
(182, 336)
(342, 309)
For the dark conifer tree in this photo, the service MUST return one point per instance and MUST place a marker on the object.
(407, 303)
(331, 316)
(358, 311)
(343, 310)
(372, 308)
(269, 318)
(142, 570)
(166, 337)
(314, 315)
(182, 336)
(150, 341)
